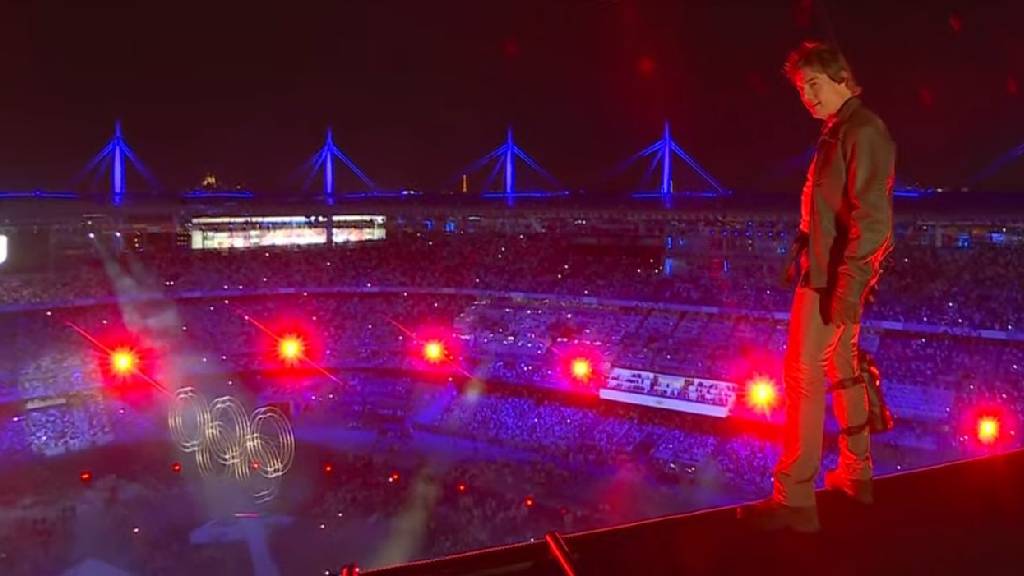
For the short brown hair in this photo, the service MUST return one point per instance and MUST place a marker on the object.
(824, 58)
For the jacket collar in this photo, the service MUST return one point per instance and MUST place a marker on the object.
(841, 115)
(844, 112)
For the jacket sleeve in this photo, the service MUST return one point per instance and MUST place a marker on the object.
(870, 158)
(805, 199)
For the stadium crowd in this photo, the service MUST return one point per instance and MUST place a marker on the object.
(695, 311)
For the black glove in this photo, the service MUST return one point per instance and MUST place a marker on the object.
(791, 270)
(869, 298)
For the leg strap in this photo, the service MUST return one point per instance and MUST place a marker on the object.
(847, 383)
(854, 430)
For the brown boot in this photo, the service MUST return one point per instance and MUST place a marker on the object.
(772, 515)
(861, 491)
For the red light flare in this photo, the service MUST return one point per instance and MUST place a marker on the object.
(761, 394)
(579, 365)
(581, 369)
(510, 47)
(292, 344)
(432, 348)
(988, 430)
(646, 66)
(926, 97)
(434, 351)
(123, 361)
(291, 349)
(803, 13)
(956, 23)
(753, 364)
(988, 426)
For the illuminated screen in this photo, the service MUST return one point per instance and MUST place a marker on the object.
(357, 228)
(3, 248)
(235, 232)
(226, 239)
(356, 234)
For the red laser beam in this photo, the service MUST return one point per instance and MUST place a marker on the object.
(434, 347)
(111, 353)
(284, 345)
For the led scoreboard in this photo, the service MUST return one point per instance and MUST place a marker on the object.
(240, 232)
(355, 228)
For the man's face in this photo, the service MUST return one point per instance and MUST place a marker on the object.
(821, 95)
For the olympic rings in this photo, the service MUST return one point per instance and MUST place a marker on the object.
(257, 447)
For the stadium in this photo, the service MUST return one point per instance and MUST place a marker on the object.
(462, 375)
(492, 371)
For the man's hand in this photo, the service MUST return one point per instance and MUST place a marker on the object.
(791, 271)
(870, 156)
(872, 292)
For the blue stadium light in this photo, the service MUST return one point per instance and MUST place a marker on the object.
(379, 194)
(218, 194)
(40, 194)
(911, 191)
(525, 194)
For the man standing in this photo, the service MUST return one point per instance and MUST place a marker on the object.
(845, 233)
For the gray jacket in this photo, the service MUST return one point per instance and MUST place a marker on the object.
(848, 217)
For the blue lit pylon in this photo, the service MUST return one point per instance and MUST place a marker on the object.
(325, 157)
(117, 150)
(504, 158)
(118, 171)
(662, 151)
(510, 166)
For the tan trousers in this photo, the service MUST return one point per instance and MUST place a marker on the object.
(816, 348)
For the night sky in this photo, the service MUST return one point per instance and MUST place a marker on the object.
(416, 90)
